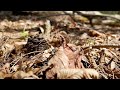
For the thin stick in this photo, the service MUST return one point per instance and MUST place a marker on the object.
(91, 61)
(103, 46)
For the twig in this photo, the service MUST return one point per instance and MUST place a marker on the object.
(102, 57)
(110, 62)
(114, 54)
(32, 52)
(91, 16)
(96, 15)
(92, 62)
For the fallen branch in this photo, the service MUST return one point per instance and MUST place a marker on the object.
(91, 16)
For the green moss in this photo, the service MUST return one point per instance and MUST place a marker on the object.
(24, 34)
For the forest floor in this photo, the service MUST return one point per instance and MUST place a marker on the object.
(58, 47)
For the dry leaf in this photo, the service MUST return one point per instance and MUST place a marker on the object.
(94, 33)
(81, 19)
(6, 68)
(67, 56)
(47, 30)
(70, 74)
(112, 65)
(92, 73)
(2, 75)
(28, 78)
(19, 45)
(107, 53)
(72, 52)
(42, 30)
(21, 75)
(35, 70)
(59, 60)
(77, 73)
(15, 68)
(7, 48)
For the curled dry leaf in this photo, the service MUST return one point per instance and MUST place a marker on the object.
(67, 56)
(59, 60)
(72, 52)
(94, 33)
(77, 73)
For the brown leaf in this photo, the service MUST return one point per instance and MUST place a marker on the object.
(112, 65)
(60, 61)
(66, 57)
(70, 74)
(72, 52)
(77, 74)
(92, 73)
(15, 68)
(19, 45)
(6, 68)
(21, 75)
(94, 33)
(2, 75)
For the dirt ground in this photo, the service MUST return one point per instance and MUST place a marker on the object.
(58, 47)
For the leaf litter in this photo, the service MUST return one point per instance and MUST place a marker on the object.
(58, 47)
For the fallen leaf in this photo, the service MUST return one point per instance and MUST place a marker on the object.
(6, 68)
(112, 65)
(72, 52)
(66, 57)
(59, 60)
(94, 33)
(21, 75)
(2, 75)
(19, 45)
(77, 74)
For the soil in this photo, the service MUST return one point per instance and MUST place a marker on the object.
(72, 49)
